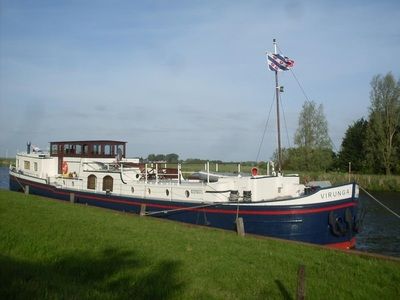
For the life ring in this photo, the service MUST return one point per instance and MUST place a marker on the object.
(64, 167)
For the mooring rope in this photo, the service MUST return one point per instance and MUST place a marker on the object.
(16, 178)
(180, 209)
(372, 197)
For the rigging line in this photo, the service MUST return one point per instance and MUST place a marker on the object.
(284, 120)
(265, 127)
(304, 92)
(295, 77)
(390, 210)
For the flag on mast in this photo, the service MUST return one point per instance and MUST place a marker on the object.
(277, 62)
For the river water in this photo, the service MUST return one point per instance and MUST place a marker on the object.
(381, 229)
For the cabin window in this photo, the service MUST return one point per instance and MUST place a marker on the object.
(91, 182)
(108, 183)
(35, 166)
(120, 150)
(78, 149)
(96, 149)
(85, 149)
(67, 149)
(54, 149)
(107, 150)
(27, 165)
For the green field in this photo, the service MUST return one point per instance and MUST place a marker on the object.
(56, 250)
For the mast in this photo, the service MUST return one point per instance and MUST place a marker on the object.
(278, 124)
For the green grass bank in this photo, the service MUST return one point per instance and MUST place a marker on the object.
(54, 250)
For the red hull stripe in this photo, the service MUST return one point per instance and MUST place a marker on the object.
(230, 210)
(344, 245)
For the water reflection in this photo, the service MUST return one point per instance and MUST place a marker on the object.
(381, 230)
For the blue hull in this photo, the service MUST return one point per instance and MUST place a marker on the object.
(331, 224)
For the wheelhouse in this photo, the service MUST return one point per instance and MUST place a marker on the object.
(87, 149)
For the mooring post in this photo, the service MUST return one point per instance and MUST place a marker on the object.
(26, 190)
(240, 226)
(301, 286)
(142, 210)
(72, 197)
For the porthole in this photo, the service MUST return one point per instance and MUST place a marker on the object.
(132, 190)
(187, 193)
(137, 176)
(149, 191)
(167, 192)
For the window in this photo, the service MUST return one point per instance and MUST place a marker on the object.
(54, 149)
(85, 149)
(35, 166)
(108, 183)
(27, 165)
(96, 149)
(91, 182)
(120, 150)
(107, 149)
(78, 149)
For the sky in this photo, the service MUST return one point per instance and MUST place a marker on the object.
(186, 77)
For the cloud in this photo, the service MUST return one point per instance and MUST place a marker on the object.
(187, 77)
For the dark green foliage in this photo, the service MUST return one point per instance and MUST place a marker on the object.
(314, 147)
(383, 125)
(353, 147)
(169, 158)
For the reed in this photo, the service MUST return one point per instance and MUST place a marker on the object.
(51, 249)
(5, 162)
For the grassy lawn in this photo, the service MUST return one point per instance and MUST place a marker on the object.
(51, 249)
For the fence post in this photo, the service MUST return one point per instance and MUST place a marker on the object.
(240, 226)
(142, 210)
(72, 197)
(301, 287)
(26, 190)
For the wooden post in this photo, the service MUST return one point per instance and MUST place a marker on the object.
(349, 171)
(240, 226)
(26, 190)
(301, 286)
(72, 197)
(142, 210)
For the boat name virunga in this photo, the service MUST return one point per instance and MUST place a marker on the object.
(335, 193)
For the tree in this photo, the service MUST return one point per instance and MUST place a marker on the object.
(384, 119)
(353, 147)
(172, 158)
(314, 146)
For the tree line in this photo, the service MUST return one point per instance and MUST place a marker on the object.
(370, 145)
